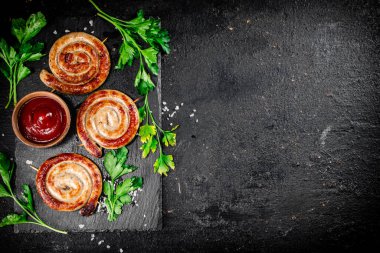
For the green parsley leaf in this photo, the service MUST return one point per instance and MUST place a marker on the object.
(3, 192)
(150, 57)
(114, 162)
(5, 169)
(163, 163)
(146, 131)
(107, 189)
(127, 54)
(34, 24)
(149, 146)
(22, 73)
(142, 114)
(27, 197)
(169, 138)
(12, 219)
(109, 162)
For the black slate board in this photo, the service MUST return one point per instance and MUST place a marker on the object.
(146, 213)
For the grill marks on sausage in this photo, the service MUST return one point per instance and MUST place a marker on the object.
(61, 164)
(79, 62)
(108, 119)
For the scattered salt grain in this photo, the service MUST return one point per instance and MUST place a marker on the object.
(100, 242)
(91, 22)
(85, 28)
(92, 32)
(144, 216)
(181, 104)
(81, 225)
(164, 103)
(92, 237)
(171, 124)
(108, 246)
(114, 49)
(176, 108)
(55, 32)
(137, 204)
(121, 250)
(2, 134)
(196, 120)
(171, 115)
(145, 225)
(191, 115)
(194, 110)
(29, 162)
(67, 31)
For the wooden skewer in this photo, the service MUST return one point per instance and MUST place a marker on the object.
(136, 100)
(33, 167)
(105, 40)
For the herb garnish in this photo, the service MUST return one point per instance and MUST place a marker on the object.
(26, 202)
(150, 32)
(12, 64)
(118, 193)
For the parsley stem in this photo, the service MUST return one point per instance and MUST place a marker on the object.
(151, 117)
(34, 216)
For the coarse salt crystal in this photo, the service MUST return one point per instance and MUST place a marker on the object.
(194, 110)
(176, 108)
(67, 31)
(85, 28)
(81, 225)
(137, 204)
(92, 32)
(29, 162)
(121, 250)
(91, 22)
(144, 215)
(171, 124)
(100, 242)
(164, 103)
(108, 246)
(145, 225)
(3, 135)
(181, 104)
(196, 120)
(191, 115)
(171, 115)
(55, 32)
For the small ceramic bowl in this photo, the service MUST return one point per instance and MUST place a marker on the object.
(25, 99)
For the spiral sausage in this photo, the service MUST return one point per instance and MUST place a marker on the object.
(68, 182)
(79, 63)
(108, 119)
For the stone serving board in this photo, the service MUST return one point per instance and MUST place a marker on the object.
(146, 213)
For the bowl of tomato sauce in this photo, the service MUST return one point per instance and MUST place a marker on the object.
(41, 119)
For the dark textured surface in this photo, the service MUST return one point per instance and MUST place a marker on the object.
(285, 153)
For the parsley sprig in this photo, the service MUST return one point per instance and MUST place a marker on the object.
(118, 194)
(26, 202)
(151, 34)
(13, 57)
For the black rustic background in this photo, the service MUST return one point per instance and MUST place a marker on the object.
(282, 153)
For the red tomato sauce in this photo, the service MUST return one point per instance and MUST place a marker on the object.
(41, 120)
